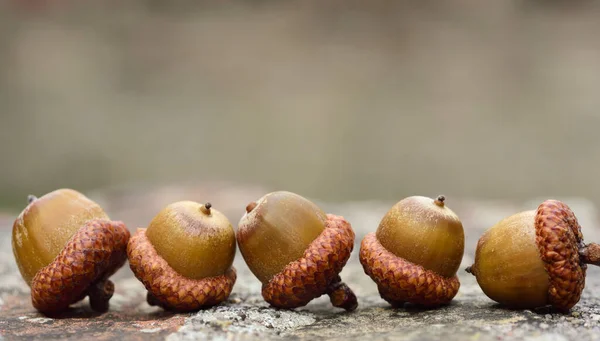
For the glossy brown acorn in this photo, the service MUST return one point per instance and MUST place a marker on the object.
(535, 258)
(415, 253)
(66, 248)
(184, 258)
(296, 250)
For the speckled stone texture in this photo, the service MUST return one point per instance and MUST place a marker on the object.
(246, 316)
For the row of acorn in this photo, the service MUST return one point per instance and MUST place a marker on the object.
(66, 248)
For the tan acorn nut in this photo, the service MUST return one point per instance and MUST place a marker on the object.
(415, 253)
(184, 258)
(296, 250)
(535, 258)
(66, 248)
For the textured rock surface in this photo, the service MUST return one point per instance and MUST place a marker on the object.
(245, 316)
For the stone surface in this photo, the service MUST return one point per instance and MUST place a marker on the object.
(245, 316)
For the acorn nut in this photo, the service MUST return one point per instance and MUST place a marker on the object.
(184, 258)
(415, 253)
(296, 250)
(66, 248)
(534, 259)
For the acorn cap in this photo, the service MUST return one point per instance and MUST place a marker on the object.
(559, 239)
(82, 268)
(400, 281)
(316, 272)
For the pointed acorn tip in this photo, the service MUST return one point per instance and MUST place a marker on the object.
(206, 208)
(440, 200)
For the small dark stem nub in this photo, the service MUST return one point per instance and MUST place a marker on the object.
(100, 294)
(341, 295)
(31, 198)
(206, 208)
(440, 200)
(469, 269)
(152, 300)
(590, 254)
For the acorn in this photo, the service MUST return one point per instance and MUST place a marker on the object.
(415, 253)
(535, 259)
(184, 257)
(66, 248)
(296, 250)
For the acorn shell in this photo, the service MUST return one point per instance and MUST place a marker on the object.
(45, 226)
(508, 266)
(277, 230)
(196, 241)
(425, 232)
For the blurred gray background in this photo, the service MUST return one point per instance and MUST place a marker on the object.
(338, 101)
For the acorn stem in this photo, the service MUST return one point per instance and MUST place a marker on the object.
(469, 269)
(152, 300)
(100, 294)
(31, 198)
(590, 254)
(440, 200)
(341, 295)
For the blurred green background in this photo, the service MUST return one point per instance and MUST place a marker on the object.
(340, 101)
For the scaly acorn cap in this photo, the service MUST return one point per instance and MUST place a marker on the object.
(559, 239)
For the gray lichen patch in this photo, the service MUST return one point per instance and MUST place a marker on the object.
(240, 321)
